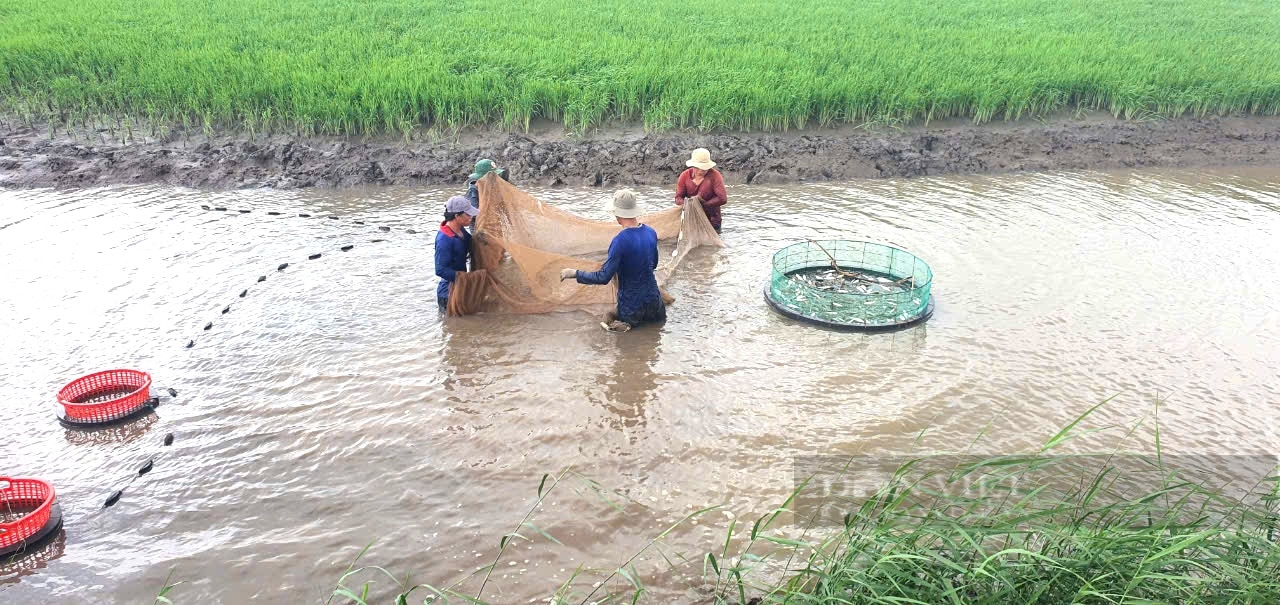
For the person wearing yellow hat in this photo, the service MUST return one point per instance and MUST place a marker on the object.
(633, 257)
(703, 181)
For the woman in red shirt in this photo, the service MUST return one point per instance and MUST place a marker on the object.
(702, 181)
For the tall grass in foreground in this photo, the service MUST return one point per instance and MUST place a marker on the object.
(1039, 528)
(392, 66)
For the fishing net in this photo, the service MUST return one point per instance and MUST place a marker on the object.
(850, 284)
(522, 244)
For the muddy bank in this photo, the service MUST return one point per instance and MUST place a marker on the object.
(31, 157)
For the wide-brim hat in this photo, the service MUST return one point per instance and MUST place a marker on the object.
(623, 204)
(700, 158)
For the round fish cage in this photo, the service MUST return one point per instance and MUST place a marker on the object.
(850, 285)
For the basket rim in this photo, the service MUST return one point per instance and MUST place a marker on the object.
(773, 260)
(918, 287)
(72, 422)
(62, 398)
(44, 505)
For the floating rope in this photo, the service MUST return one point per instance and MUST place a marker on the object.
(142, 470)
(149, 464)
(383, 228)
(282, 266)
(191, 343)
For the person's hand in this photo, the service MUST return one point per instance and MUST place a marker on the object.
(568, 274)
(679, 201)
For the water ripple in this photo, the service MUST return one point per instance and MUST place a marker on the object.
(333, 406)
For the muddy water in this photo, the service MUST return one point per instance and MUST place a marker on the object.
(332, 407)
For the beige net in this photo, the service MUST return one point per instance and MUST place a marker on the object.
(522, 244)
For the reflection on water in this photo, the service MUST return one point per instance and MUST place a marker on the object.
(333, 406)
(125, 432)
(625, 372)
(33, 560)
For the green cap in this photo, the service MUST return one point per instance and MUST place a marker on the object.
(483, 167)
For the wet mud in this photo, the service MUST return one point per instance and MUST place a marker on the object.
(35, 157)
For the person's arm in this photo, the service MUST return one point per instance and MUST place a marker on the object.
(718, 195)
(654, 246)
(680, 189)
(606, 272)
(444, 261)
(473, 194)
(468, 250)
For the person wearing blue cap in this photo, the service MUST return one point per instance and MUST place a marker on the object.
(453, 245)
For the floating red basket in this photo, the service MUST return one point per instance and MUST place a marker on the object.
(105, 396)
(17, 496)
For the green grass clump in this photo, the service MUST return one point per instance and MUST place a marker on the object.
(1177, 543)
(1042, 528)
(390, 66)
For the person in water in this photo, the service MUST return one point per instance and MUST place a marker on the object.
(703, 181)
(482, 168)
(453, 245)
(633, 257)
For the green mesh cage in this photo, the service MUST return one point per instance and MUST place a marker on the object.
(868, 286)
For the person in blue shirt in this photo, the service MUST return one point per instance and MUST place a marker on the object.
(633, 257)
(453, 245)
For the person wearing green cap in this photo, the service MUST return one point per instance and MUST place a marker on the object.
(483, 167)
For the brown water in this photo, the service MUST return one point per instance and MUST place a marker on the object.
(332, 407)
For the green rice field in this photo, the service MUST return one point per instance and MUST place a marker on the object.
(393, 66)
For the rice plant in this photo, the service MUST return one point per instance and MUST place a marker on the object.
(389, 66)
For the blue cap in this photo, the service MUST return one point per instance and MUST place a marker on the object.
(458, 203)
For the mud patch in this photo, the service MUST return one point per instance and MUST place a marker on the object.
(31, 157)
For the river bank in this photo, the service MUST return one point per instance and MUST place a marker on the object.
(618, 156)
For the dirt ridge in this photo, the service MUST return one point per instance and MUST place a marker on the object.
(31, 157)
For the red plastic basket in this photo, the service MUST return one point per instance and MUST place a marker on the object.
(105, 396)
(17, 495)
